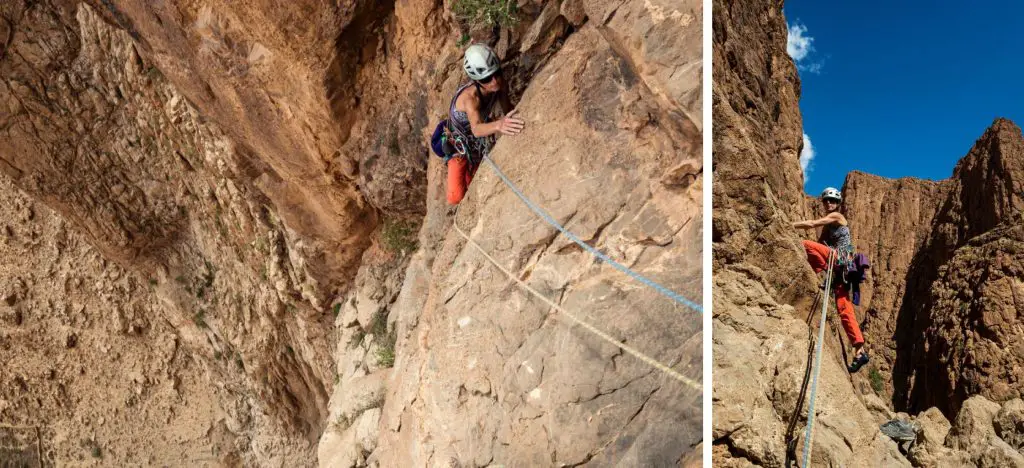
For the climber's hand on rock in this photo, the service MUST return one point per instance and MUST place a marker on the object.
(510, 125)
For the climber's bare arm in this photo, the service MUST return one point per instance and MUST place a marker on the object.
(507, 125)
(814, 223)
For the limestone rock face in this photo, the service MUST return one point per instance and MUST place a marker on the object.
(891, 221)
(92, 365)
(939, 312)
(93, 130)
(259, 170)
(493, 375)
(759, 351)
(973, 337)
(758, 184)
(947, 280)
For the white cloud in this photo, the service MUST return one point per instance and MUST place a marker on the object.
(800, 46)
(806, 156)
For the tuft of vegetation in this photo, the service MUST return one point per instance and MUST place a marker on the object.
(342, 422)
(152, 281)
(336, 309)
(877, 381)
(96, 452)
(487, 12)
(199, 319)
(386, 351)
(217, 355)
(399, 236)
(380, 324)
(463, 39)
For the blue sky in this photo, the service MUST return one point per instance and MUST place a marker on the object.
(902, 90)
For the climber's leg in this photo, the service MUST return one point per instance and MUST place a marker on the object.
(458, 179)
(849, 320)
(817, 255)
(848, 317)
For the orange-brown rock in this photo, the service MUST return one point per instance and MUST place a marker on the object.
(262, 167)
(890, 221)
(757, 190)
(940, 313)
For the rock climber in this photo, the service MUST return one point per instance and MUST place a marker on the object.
(470, 117)
(835, 237)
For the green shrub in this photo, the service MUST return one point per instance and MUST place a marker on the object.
(199, 319)
(877, 381)
(386, 353)
(399, 236)
(487, 12)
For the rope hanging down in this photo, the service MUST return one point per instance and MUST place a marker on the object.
(543, 214)
(795, 417)
(604, 336)
(809, 438)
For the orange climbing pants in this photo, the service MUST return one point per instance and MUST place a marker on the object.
(459, 177)
(817, 256)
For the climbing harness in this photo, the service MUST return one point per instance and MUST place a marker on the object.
(573, 317)
(543, 214)
(809, 437)
(460, 139)
(452, 140)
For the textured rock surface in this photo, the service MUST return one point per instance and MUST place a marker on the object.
(940, 313)
(261, 166)
(487, 374)
(70, 318)
(892, 221)
(759, 358)
(757, 190)
(947, 286)
(973, 337)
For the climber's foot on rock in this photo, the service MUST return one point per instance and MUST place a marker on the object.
(858, 362)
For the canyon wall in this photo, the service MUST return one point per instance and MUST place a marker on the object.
(249, 182)
(939, 312)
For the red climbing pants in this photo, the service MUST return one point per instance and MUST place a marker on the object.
(817, 256)
(459, 177)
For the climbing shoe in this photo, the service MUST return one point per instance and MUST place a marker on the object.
(858, 362)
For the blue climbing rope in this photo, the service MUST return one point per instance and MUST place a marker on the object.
(809, 437)
(663, 290)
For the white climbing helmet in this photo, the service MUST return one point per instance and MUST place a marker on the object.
(480, 62)
(832, 193)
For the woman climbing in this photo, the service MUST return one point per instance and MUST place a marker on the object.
(469, 116)
(835, 237)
